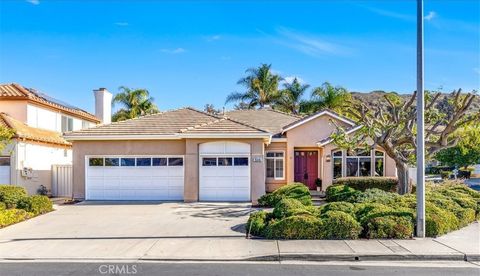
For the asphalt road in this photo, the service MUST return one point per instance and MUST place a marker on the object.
(230, 269)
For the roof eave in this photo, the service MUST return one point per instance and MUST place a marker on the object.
(319, 114)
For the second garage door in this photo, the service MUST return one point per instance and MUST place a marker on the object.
(224, 171)
(134, 178)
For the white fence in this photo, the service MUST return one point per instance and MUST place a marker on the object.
(62, 181)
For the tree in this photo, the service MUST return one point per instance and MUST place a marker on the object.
(391, 124)
(291, 96)
(210, 108)
(327, 96)
(6, 135)
(135, 103)
(466, 153)
(261, 87)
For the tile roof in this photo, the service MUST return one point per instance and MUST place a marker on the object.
(176, 122)
(15, 91)
(23, 131)
(320, 113)
(269, 120)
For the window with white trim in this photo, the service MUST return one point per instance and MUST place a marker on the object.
(275, 165)
(358, 163)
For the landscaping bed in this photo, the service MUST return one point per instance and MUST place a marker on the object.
(17, 206)
(367, 213)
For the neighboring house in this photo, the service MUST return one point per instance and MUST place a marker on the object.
(38, 122)
(189, 155)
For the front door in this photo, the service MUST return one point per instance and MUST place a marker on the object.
(306, 168)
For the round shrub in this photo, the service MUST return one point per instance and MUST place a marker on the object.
(340, 193)
(36, 204)
(363, 209)
(10, 195)
(3, 206)
(256, 223)
(439, 221)
(389, 227)
(11, 216)
(285, 206)
(339, 225)
(342, 206)
(295, 227)
(295, 190)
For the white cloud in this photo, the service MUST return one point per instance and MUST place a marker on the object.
(122, 24)
(173, 51)
(34, 2)
(387, 13)
(214, 37)
(476, 70)
(431, 15)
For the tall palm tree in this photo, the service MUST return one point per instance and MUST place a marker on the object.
(135, 103)
(291, 96)
(261, 85)
(326, 96)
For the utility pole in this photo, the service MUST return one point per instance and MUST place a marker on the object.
(420, 126)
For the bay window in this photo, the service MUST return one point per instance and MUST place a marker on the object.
(275, 165)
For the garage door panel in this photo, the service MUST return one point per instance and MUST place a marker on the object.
(160, 171)
(245, 172)
(175, 171)
(95, 171)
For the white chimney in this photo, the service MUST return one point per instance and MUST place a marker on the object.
(103, 105)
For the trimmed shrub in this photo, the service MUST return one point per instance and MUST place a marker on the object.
(294, 190)
(389, 227)
(11, 216)
(295, 227)
(342, 206)
(36, 204)
(339, 225)
(285, 207)
(3, 206)
(340, 193)
(10, 195)
(388, 184)
(256, 223)
(439, 221)
(376, 195)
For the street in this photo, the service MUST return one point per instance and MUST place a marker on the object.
(240, 269)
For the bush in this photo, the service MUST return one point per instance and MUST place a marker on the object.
(256, 223)
(294, 190)
(12, 216)
(340, 193)
(342, 206)
(439, 221)
(10, 195)
(3, 206)
(375, 195)
(339, 225)
(295, 227)
(388, 184)
(389, 227)
(36, 204)
(289, 206)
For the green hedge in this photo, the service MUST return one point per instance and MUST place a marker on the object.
(294, 190)
(295, 227)
(339, 225)
(37, 204)
(10, 195)
(388, 184)
(342, 206)
(340, 193)
(11, 216)
(389, 227)
(256, 223)
(290, 206)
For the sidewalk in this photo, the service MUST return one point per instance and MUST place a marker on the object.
(463, 244)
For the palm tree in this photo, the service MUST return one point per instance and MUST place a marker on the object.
(291, 96)
(261, 85)
(326, 96)
(135, 103)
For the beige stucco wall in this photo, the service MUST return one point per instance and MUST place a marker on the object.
(15, 109)
(187, 147)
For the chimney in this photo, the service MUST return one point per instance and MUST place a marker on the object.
(103, 105)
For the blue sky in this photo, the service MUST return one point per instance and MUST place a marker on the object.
(192, 53)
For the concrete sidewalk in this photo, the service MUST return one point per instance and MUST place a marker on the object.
(463, 244)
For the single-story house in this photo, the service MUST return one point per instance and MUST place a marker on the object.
(190, 155)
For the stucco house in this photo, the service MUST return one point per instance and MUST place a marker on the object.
(38, 121)
(189, 155)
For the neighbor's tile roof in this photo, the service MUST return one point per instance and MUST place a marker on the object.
(268, 120)
(15, 91)
(23, 131)
(184, 120)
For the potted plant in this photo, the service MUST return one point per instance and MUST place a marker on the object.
(318, 183)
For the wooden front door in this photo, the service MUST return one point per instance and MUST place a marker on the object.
(306, 168)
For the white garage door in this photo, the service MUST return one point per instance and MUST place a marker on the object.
(224, 171)
(134, 178)
(5, 170)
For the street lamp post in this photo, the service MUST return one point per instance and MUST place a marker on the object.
(420, 126)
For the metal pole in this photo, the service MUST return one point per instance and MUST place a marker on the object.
(420, 126)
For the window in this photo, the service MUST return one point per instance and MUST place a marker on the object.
(240, 161)
(358, 163)
(95, 162)
(224, 161)
(175, 161)
(275, 165)
(67, 124)
(379, 163)
(127, 162)
(144, 162)
(209, 161)
(337, 164)
(159, 162)
(112, 162)
(4, 161)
